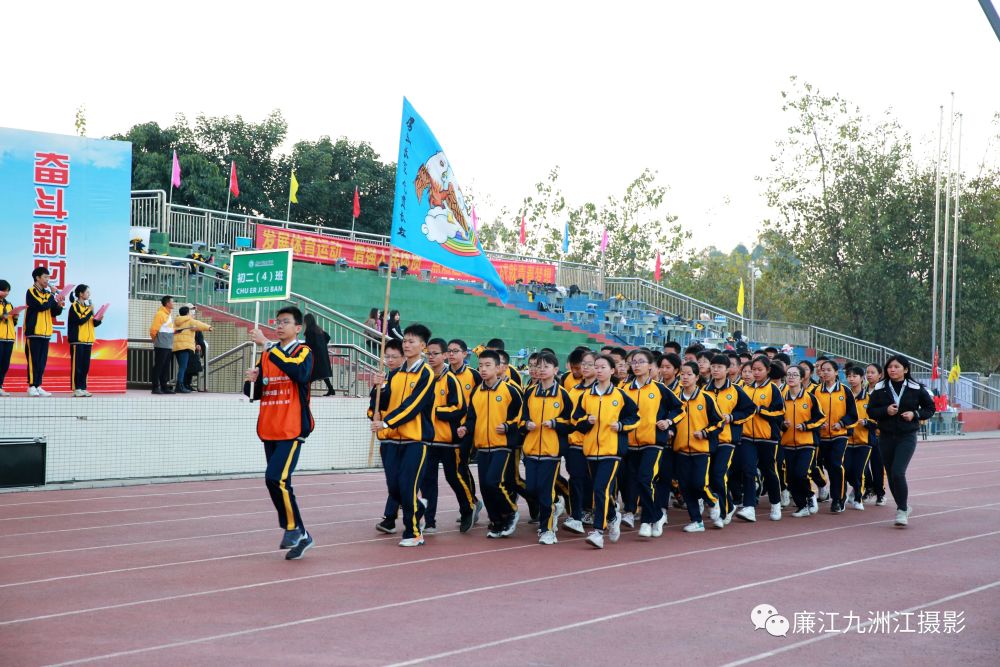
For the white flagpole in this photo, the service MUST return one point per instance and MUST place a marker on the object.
(944, 245)
(937, 231)
(954, 253)
(253, 359)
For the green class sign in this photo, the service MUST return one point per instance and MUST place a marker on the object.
(260, 275)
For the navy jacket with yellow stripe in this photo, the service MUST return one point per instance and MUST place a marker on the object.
(731, 400)
(837, 403)
(770, 412)
(489, 407)
(700, 414)
(81, 323)
(609, 407)
(655, 403)
(449, 409)
(801, 409)
(42, 308)
(407, 401)
(468, 379)
(8, 326)
(551, 411)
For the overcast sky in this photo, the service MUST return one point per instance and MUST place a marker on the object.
(512, 89)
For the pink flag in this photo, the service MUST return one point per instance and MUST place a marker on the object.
(656, 273)
(522, 230)
(604, 240)
(475, 221)
(175, 173)
(234, 185)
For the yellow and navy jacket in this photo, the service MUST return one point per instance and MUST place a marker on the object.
(864, 430)
(490, 407)
(282, 388)
(803, 409)
(468, 378)
(700, 414)
(81, 323)
(610, 406)
(514, 377)
(406, 403)
(543, 405)
(812, 386)
(448, 411)
(675, 387)
(769, 412)
(8, 325)
(654, 402)
(837, 403)
(42, 307)
(567, 381)
(575, 436)
(731, 400)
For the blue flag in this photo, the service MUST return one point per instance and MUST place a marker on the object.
(430, 217)
(566, 238)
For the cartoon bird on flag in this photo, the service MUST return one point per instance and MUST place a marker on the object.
(447, 215)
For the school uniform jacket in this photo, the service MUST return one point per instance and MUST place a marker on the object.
(913, 397)
(655, 402)
(838, 405)
(700, 414)
(448, 410)
(576, 436)
(7, 326)
(42, 308)
(567, 381)
(802, 408)
(282, 388)
(675, 387)
(468, 379)
(863, 430)
(610, 407)
(81, 323)
(541, 405)
(489, 407)
(731, 400)
(769, 412)
(407, 400)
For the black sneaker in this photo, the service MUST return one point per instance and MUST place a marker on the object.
(836, 508)
(386, 525)
(466, 521)
(291, 538)
(300, 549)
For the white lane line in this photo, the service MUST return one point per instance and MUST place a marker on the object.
(964, 474)
(966, 488)
(829, 635)
(189, 518)
(507, 640)
(963, 463)
(422, 561)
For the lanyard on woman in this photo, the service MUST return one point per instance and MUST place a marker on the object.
(897, 397)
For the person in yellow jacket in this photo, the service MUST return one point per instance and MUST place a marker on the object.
(736, 409)
(491, 426)
(161, 331)
(838, 404)
(859, 440)
(8, 330)
(659, 409)
(761, 435)
(184, 327)
(803, 418)
(545, 423)
(695, 441)
(43, 307)
(581, 487)
(605, 415)
(80, 333)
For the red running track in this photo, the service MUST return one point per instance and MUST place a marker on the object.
(189, 574)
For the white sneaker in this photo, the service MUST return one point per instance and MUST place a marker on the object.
(411, 541)
(429, 530)
(42, 392)
(747, 514)
(422, 501)
(695, 527)
(657, 527)
(715, 514)
(87, 394)
(645, 530)
(813, 505)
(729, 517)
(557, 511)
(858, 505)
(628, 519)
(78, 393)
(3, 393)
(798, 514)
(824, 493)
(493, 534)
(574, 526)
(786, 498)
(775, 512)
(880, 501)
(33, 391)
(547, 537)
(615, 528)
(902, 517)
(596, 539)
(509, 530)
(588, 518)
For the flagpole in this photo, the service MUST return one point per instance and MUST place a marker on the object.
(353, 220)
(381, 355)
(954, 253)
(944, 245)
(937, 231)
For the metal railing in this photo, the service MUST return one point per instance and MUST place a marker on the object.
(667, 300)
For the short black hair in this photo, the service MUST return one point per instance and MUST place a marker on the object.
(547, 349)
(673, 345)
(418, 330)
(720, 360)
(394, 344)
(503, 356)
(772, 350)
(548, 358)
(855, 370)
(694, 348)
(744, 356)
(293, 311)
(783, 358)
(164, 300)
(673, 359)
(777, 370)
(620, 351)
(808, 363)
(833, 363)
(39, 271)
(576, 356)
(534, 356)
(4, 285)
(440, 342)
(460, 343)
(490, 354)
(707, 354)
(183, 311)
(495, 344)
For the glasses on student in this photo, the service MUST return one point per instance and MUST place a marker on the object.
(586, 365)
(454, 351)
(639, 362)
(283, 322)
(434, 354)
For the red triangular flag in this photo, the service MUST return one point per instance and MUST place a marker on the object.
(522, 240)
(234, 185)
(656, 274)
(357, 203)
(934, 367)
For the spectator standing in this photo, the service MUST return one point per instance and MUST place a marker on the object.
(317, 340)
(161, 331)
(395, 326)
(183, 347)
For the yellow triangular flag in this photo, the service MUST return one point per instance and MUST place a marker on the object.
(294, 191)
(740, 299)
(955, 372)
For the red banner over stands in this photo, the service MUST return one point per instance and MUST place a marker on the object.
(321, 249)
